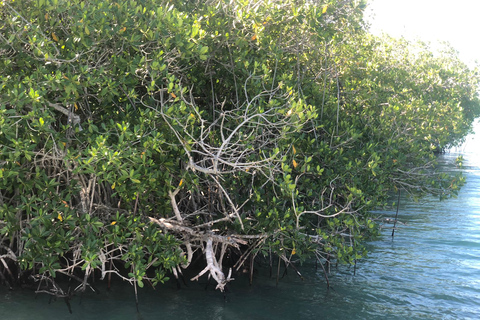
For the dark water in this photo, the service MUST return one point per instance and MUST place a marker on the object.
(431, 270)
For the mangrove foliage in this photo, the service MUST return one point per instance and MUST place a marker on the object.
(138, 136)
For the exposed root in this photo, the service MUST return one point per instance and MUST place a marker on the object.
(213, 265)
(9, 255)
(214, 268)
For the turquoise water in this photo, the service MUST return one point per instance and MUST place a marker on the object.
(430, 270)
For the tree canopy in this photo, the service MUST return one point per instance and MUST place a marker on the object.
(136, 135)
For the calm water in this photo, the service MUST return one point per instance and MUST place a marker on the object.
(431, 270)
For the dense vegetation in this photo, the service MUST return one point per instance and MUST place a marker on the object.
(136, 135)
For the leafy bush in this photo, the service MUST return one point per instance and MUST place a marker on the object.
(136, 134)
